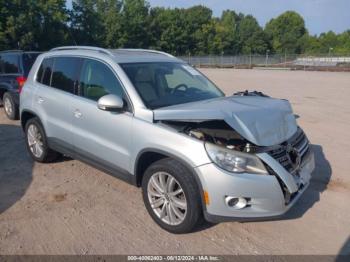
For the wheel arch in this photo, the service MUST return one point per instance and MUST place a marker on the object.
(150, 155)
(2, 92)
(3, 89)
(25, 116)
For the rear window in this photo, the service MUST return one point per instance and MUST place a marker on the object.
(65, 72)
(28, 61)
(9, 63)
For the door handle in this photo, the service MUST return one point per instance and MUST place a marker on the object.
(77, 114)
(40, 100)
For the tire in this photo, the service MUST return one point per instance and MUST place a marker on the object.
(183, 179)
(10, 108)
(47, 155)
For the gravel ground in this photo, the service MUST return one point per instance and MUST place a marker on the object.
(68, 207)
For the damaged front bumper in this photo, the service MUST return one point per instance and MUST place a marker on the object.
(265, 196)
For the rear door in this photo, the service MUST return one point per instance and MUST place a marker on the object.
(99, 136)
(54, 98)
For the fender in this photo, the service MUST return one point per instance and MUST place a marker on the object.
(23, 120)
(188, 166)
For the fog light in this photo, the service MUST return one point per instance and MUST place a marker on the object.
(236, 202)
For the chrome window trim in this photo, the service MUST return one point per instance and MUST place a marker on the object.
(132, 108)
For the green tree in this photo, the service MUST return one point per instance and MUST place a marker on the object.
(111, 18)
(343, 47)
(328, 42)
(169, 32)
(20, 24)
(195, 18)
(205, 38)
(54, 30)
(312, 45)
(33, 24)
(219, 36)
(43, 24)
(134, 21)
(252, 38)
(227, 32)
(286, 32)
(178, 31)
(86, 22)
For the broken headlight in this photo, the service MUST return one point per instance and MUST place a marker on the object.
(234, 161)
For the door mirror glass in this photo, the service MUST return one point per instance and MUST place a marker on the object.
(110, 103)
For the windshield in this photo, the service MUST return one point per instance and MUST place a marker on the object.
(166, 84)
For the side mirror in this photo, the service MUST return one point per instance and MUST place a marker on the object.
(110, 103)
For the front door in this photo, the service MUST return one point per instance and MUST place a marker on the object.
(101, 136)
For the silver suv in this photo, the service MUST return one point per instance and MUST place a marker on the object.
(157, 123)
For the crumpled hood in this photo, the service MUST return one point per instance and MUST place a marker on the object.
(263, 121)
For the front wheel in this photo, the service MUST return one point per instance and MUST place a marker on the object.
(171, 196)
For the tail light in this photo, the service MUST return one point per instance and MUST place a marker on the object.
(20, 81)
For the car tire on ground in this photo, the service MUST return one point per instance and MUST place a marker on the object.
(171, 196)
(36, 142)
(10, 108)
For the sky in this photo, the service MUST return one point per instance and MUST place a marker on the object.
(319, 15)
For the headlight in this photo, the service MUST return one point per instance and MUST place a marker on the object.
(234, 161)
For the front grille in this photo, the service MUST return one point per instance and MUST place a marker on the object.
(299, 142)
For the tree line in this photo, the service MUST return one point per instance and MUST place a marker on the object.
(43, 24)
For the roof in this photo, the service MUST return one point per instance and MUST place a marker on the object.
(124, 55)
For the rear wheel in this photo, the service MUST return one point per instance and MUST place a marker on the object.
(10, 108)
(36, 142)
(171, 196)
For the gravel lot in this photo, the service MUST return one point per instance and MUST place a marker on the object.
(70, 208)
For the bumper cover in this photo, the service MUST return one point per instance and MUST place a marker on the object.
(264, 192)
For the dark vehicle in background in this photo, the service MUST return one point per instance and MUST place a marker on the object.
(14, 68)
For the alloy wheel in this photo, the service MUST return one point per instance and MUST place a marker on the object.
(167, 198)
(35, 141)
(8, 106)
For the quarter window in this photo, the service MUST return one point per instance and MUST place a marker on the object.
(97, 80)
(65, 70)
(45, 71)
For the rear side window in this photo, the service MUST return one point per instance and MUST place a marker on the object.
(45, 71)
(65, 70)
(9, 63)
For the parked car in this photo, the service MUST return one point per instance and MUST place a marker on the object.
(14, 68)
(154, 121)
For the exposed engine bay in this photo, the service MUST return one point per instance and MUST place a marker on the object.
(250, 93)
(260, 120)
(217, 132)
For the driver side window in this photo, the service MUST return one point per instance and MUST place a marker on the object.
(97, 80)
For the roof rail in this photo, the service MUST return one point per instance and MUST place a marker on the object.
(92, 48)
(15, 50)
(146, 50)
